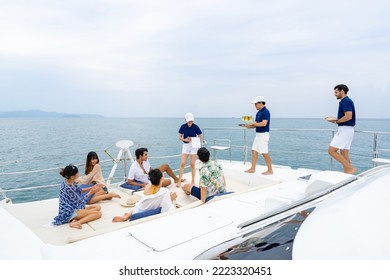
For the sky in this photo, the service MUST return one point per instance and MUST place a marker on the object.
(163, 58)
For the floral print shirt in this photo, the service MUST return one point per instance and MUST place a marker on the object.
(211, 177)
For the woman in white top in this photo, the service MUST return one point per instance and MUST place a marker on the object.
(94, 177)
(153, 196)
(93, 170)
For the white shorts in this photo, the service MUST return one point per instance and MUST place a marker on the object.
(260, 144)
(188, 150)
(343, 138)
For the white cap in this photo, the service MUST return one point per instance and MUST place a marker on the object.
(258, 99)
(189, 117)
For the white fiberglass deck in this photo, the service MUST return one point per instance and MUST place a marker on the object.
(254, 194)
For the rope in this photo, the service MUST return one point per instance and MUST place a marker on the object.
(109, 155)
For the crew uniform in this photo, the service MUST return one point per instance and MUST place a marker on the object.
(344, 135)
(189, 131)
(260, 144)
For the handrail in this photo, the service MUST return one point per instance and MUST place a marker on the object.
(245, 147)
(31, 188)
(41, 170)
(4, 191)
(375, 134)
(206, 131)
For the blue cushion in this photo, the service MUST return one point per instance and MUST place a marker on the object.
(195, 191)
(218, 194)
(131, 187)
(145, 214)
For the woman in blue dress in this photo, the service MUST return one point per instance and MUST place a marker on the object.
(72, 202)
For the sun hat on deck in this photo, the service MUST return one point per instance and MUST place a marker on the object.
(131, 200)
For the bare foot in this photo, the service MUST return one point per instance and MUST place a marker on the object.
(118, 219)
(75, 224)
(350, 171)
(113, 195)
(182, 180)
(267, 173)
(250, 170)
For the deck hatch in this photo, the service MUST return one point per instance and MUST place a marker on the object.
(158, 233)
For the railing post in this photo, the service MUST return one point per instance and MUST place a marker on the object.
(2, 193)
(375, 152)
(375, 148)
(331, 158)
(245, 148)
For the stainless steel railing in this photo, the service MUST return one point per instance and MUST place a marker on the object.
(239, 140)
(377, 147)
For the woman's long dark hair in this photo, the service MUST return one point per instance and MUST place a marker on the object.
(88, 164)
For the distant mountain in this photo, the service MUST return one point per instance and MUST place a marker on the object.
(43, 114)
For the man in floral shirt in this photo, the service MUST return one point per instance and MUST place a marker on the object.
(212, 180)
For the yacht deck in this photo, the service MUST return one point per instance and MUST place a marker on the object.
(37, 216)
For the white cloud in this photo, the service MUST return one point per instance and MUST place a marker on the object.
(213, 56)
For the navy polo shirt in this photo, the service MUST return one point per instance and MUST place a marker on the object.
(261, 115)
(346, 105)
(188, 131)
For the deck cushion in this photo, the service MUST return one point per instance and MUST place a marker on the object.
(145, 214)
(130, 187)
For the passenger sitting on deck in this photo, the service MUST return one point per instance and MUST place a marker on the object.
(93, 170)
(72, 203)
(94, 176)
(138, 173)
(153, 196)
(211, 182)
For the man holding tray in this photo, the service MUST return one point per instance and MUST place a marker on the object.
(346, 120)
(260, 144)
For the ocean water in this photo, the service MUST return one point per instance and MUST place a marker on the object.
(39, 144)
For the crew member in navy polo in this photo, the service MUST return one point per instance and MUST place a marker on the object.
(346, 120)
